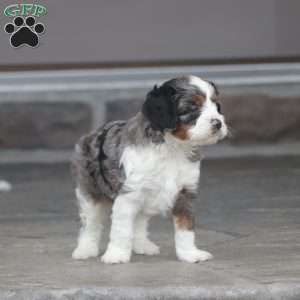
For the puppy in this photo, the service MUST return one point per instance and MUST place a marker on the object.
(146, 166)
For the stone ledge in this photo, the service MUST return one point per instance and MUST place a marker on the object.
(219, 151)
(257, 118)
(43, 125)
(261, 102)
(253, 119)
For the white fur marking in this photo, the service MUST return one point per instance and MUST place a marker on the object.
(121, 235)
(159, 173)
(92, 216)
(186, 249)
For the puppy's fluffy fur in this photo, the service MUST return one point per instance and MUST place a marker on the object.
(146, 166)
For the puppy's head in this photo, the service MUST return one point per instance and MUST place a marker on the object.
(188, 108)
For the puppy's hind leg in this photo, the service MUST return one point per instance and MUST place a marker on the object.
(93, 215)
(141, 242)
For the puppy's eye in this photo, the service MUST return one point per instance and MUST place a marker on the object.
(218, 107)
(189, 118)
(188, 109)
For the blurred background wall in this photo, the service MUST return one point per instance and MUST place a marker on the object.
(145, 31)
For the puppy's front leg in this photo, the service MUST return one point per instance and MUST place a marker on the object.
(124, 212)
(186, 249)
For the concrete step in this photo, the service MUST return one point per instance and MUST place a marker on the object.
(212, 152)
(50, 110)
(248, 215)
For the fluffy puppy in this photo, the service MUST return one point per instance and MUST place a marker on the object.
(148, 165)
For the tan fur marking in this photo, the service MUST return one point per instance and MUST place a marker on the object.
(183, 222)
(199, 100)
(181, 132)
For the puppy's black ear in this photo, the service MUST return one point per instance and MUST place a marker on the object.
(160, 108)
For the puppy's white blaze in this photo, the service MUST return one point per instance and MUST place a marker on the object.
(212, 113)
(202, 85)
(202, 132)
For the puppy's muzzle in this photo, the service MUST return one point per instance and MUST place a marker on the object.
(216, 124)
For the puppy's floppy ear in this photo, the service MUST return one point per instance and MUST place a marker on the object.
(160, 108)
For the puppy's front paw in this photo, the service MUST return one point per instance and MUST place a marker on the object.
(85, 251)
(116, 256)
(145, 247)
(193, 256)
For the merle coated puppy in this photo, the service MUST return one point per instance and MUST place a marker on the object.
(148, 165)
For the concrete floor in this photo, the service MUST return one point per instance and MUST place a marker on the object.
(248, 217)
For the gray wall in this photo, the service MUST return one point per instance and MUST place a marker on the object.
(98, 31)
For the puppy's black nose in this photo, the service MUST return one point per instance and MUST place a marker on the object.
(216, 123)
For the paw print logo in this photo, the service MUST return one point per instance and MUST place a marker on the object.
(24, 31)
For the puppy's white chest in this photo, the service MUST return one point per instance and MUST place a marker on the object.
(159, 176)
(162, 189)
